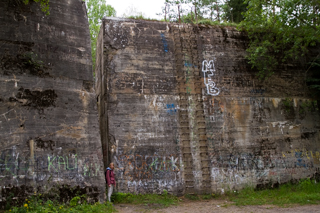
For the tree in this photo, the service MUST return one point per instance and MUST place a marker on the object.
(280, 31)
(212, 8)
(96, 10)
(193, 10)
(233, 10)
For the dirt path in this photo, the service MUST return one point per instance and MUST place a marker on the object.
(215, 206)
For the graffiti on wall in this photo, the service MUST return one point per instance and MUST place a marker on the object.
(165, 43)
(208, 70)
(145, 166)
(41, 167)
(171, 109)
(237, 168)
(137, 172)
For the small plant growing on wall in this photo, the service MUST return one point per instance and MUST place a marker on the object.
(44, 4)
(30, 61)
(307, 106)
(287, 105)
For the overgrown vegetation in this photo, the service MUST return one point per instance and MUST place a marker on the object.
(77, 204)
(288, 104)
(44, 4)
(141, 17)
(150, 200)
(216, 23)
(305, 192)
(313, 81)
(280, 32)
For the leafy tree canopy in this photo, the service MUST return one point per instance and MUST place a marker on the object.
(233, 10)
(203, 8)
(280, 31)
(96, 10)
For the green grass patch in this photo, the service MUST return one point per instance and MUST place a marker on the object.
(192, 197)
(151, 200)
(77, 204)
(306, 192)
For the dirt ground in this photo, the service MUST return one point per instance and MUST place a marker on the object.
(214, 206)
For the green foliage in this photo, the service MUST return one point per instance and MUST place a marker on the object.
(192, 10)
(308, 106)
(77, 204)
(306, 192)
(74, 201)
(44, 4)
(189, 18)
(96, 10)
(9, 201)
(288, 104)
(280, 31)
(216, 23)
(192, 197)
(141, 17)
(314, 79)
(208, 196)
(151, 200)
(234, 9)
(30, 59)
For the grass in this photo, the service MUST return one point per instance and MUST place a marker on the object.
(77, 204)
(150, 200)
(306, 192)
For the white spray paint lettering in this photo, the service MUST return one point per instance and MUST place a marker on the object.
(208, 67)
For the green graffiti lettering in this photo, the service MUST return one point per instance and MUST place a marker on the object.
(8, 169)
(75, 163)
(153, 163)
(50, 163)
(61, 161)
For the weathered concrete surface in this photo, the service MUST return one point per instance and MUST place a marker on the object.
(183, 111)
(48, 116)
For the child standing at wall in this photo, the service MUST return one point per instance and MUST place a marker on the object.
(111, 182)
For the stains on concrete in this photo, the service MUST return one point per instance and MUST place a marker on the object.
(35, 99)
(44, 144)
(24, 63)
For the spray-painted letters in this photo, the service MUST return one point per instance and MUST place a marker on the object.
(208, 69)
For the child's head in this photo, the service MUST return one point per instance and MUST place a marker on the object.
(111, 165)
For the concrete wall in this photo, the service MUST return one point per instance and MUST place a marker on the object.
(49, 135)
(183, 111)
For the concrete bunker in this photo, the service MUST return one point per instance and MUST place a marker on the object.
(181, 110)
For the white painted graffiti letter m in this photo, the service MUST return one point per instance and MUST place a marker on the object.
(208, 69)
